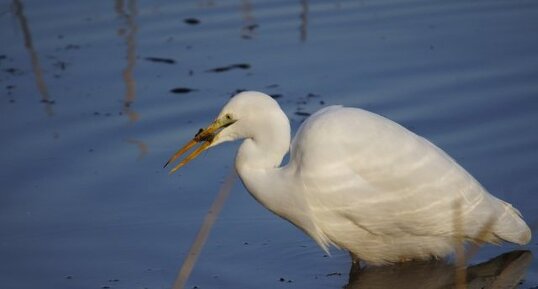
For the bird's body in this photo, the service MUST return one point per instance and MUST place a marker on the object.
(361, 182)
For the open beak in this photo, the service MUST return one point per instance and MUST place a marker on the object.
(205, 136)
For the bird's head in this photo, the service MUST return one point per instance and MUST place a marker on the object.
(241, 117)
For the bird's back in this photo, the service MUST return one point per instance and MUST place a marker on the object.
(373, 185)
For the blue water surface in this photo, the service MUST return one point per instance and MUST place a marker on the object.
(87, 119)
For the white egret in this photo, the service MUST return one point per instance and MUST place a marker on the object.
(358, 181)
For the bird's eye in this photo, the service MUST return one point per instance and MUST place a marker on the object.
(228, 116)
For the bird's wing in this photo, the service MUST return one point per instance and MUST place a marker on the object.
(360, 167)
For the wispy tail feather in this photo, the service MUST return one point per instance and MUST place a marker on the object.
(510, 226)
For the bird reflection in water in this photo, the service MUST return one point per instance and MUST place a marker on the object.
(129, 32)
(128, 11)
(304, 20)
(505, 271)
(18, 9)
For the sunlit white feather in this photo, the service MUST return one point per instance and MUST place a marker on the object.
(361, 182)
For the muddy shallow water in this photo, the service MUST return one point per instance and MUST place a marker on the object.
(96, 95)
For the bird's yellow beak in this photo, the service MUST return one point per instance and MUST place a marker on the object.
(205, 136)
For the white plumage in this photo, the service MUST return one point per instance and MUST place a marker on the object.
(359, 181)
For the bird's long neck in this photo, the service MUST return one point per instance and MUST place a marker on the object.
(257, 163)
(266, 147)
(259, 157)
(253, 155)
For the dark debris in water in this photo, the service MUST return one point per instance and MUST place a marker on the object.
(334, 274)
(48, 101)
(69, 47)
(182, 90)
(251, 27)
(230, 67)
(107, 114)
(192, 21)
(237, 91)
(304, 103)
(284, 280)
(60, 64)
(302, 113)
(72, 47)
(13, 71)
(161, 60)
(275, 95)
(248, 30)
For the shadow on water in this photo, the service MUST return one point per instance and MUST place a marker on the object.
(505, 271)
